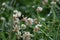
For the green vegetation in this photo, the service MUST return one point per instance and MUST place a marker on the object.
(29, 19)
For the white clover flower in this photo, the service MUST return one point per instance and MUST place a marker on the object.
(38, 25)
(36, 29)
(16, 28)
(36, 21)
(39, 8)
(45, 0)
(2, 18)
(18, 34)
(16, 25)
(43, 19)
(30, 21)
(16, 21)
(14, 15)
(18, 14)
(27, 36)
(25, 19)
(15, 11)
(53, 2)
(3, 4)
(27, 33)
(23, 26)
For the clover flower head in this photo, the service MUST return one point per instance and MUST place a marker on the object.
(39, 9)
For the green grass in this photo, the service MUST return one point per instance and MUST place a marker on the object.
(50, 29)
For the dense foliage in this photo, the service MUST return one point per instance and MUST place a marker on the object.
(29, 19)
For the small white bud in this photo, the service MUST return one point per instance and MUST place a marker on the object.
(14, 15)
(3, 4)
(15, 11)
(43, 19)
(53, 2)
(18, 14)
(2, 18)
(46, 0)
(38, 25)
(23, 26)
(33, 6)
(39, 9)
